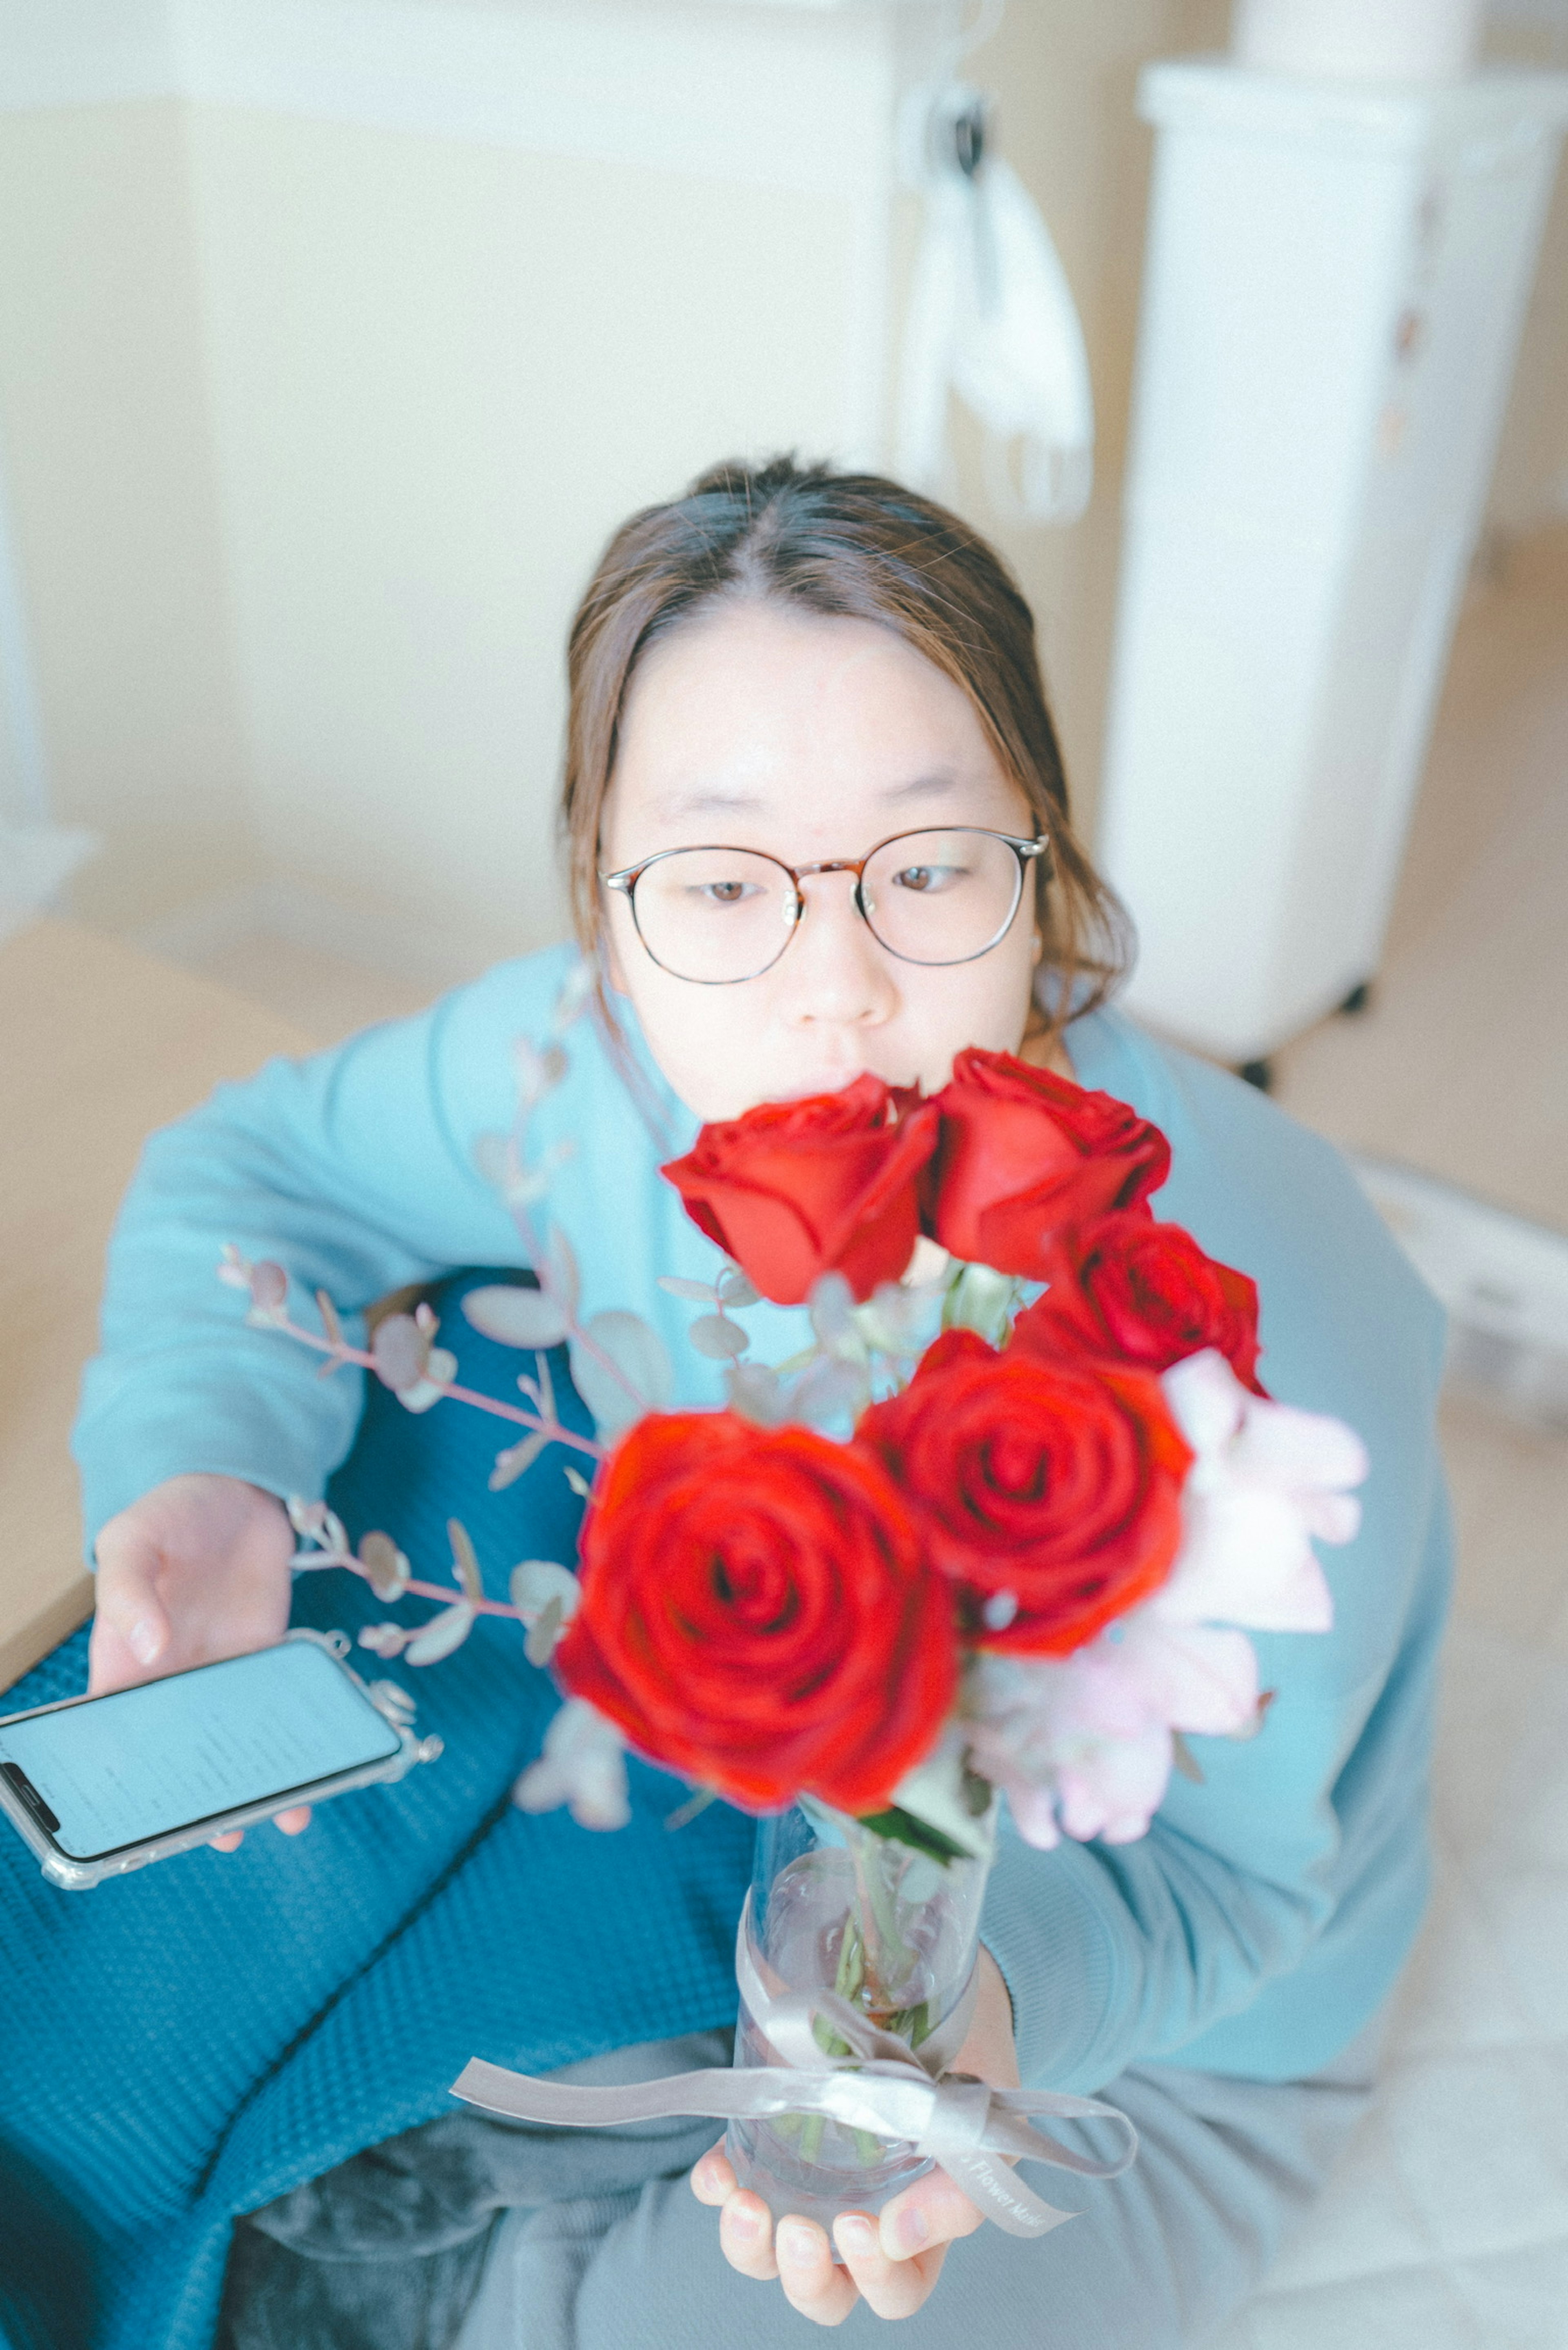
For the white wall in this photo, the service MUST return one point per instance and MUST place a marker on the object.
(335, 335)
(442, 372)
(1530, 488)
(1065, 74)
(104, 432)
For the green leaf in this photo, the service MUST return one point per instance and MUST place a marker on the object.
(441, 1636)
(465, 1566)
(385, 1566)
(715, 1335)
(950, 1797)
(980, 1299)
(902, 1827)
(1185, 1760)
(827, 2040)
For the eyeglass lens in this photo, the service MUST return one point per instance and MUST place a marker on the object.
(726, 914)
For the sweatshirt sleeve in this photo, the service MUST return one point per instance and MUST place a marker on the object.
(353, 1170)
(1262, 1920)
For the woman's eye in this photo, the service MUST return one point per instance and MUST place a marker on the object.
(725, 893)
(927, 879)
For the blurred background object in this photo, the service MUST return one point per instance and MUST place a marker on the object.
(1336, 285)
(37, 855)
(989, 319)
(1391, 41)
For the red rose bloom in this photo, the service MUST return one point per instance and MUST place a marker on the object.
(795, 1190)
(1058, 1485)
(1140, 1292)
(1024, 1152)
(757, 1615)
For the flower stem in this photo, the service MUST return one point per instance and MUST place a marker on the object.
(304, 1560)
(536, 1422)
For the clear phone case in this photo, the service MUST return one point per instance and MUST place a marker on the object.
(77, 1876)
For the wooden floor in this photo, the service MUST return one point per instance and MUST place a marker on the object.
(1446, 2228)
(1461, 1065)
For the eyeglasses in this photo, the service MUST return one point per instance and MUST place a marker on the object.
(717, 916)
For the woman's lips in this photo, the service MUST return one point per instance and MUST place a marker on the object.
(830, 1081)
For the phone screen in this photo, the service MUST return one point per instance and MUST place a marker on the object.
(143, 1763)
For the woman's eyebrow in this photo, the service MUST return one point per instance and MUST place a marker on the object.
(713, 799)
(918, 787)
(708, 800)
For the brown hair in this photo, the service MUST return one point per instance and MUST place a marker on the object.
(852, 545)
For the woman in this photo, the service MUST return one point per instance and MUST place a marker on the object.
(829, 677)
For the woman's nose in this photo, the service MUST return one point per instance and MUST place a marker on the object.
(834, 972)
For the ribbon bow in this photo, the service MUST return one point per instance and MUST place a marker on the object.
(881, 2085)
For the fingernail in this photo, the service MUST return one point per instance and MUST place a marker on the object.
(747, 2223)
(854, 2234)
(796, 2245)
(143, 1641)
(913, 2231)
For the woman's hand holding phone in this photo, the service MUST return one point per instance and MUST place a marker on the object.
(892, 2260)
(196, 1570)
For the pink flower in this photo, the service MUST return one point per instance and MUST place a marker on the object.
(1085, 1741)
(1083, 1744)
(1266, 1478)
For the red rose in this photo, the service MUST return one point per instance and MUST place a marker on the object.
(795, 1190)
(1054, 1486)
(1023, 1152)
(1142, 1291)
(757, 1615)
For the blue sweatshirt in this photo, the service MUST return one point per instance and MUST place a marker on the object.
(1262, 1920)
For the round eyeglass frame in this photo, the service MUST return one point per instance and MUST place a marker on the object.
(1026, 850)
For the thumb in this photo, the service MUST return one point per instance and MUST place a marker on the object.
(129, 1608)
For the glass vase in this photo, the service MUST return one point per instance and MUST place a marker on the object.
(836, 1906)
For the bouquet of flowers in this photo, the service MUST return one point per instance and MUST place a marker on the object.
(997, 1528)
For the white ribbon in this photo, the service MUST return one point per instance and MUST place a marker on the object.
(881, 2086)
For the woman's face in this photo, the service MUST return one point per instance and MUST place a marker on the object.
(810, 738)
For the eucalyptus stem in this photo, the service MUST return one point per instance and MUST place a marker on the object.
(885, 1948)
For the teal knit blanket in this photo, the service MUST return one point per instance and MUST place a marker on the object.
(188, 2042)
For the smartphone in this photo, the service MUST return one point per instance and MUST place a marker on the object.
(100, 1785)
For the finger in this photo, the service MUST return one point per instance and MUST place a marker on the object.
(130, 1633)
(293, 1822)
(812, 2279)
(931, 2212)
(746, 2236)
(891, 2288)
(712, 2180)
(230, 1841)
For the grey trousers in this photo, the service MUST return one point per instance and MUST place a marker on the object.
(1156, 2261)
(473, 2234)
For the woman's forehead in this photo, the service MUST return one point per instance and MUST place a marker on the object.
(756, 713)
